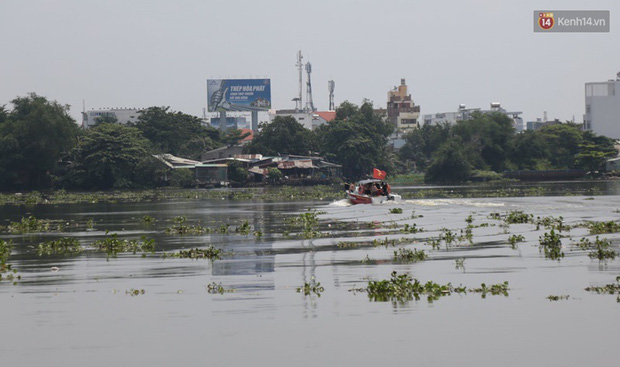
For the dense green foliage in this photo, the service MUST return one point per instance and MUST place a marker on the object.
(112, 156)
(33, 137)
(284, 135)
(488, 142)
(357, 139)
(177, 133)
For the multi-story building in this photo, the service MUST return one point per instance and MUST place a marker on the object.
(464, 113)
(401, 110)
(120, 115)
(603, 108)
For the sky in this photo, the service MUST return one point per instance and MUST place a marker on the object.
(143, 53)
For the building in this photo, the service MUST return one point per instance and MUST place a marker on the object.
(603, 108)
(121, 115)
(401, 111)
(309, 120)
(465, 113)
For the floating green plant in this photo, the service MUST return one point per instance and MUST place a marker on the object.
(181, 228)
(435, 244)
(90, 224)
(552, 223)
(411, 229)
(514, 239)
(312, 287)
(551, 244)
(558, 298)
(599, 249)
(611, 288)
(210, 252)
(112, 245)
(5, 252)
(217, 288)
(447, 236)
(603, 227)
(135, 292)
(306, 223)
(385, 242)
(30, 224)
(147, 219)
(407, 255)
(518, 217)
(459, 264)
(61, 246)
(403, 288)
(396, 211)
(244, 228)
(343, 244)
(494, 289)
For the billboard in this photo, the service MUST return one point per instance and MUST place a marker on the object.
(239, 94)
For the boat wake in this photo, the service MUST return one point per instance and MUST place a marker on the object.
(341, 203)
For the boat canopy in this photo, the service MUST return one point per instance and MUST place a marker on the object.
(364, 182)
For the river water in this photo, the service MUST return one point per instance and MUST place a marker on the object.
(93, 309)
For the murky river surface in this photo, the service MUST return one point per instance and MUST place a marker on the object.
(81, 310)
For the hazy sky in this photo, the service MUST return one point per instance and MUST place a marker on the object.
(142, 53)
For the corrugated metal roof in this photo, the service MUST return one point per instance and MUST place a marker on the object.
(295, 164)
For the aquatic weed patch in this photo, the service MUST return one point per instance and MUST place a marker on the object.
(311, 287)
(514, 239)
(396, 211)
(612, 288)
(558, 298)
(218, 288)
(493, 289)
(403, 288)
(5, 252)
(599, 249)
(305, 223)
(30, 224)
(61, 246)
(409, 256)
(210, 253)
(603, 227)
(551, 244)
(112, 245)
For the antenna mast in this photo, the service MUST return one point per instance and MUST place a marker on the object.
(300, 66)
(309, 104)
(331, 86)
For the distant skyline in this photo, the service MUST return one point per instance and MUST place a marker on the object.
(142, 53)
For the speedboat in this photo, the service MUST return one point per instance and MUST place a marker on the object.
(370, 192)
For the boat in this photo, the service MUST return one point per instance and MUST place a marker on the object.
(372, 191)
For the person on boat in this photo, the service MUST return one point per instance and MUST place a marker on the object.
(373, 190)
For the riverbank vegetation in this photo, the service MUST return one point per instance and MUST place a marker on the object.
(41, 147)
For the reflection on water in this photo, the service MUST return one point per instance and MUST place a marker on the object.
(74, 310)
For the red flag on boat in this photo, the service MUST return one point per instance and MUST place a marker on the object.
(378, 174)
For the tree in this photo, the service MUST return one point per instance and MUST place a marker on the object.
(357, 139)
(176, 133)
(563, 141)
(421, 143)
(529, 151)
(487, 136)
(112, 156)
(449, 163)
(33, 137)
(284, 135)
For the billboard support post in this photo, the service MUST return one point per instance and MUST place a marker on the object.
(254, 121)
(223, 124)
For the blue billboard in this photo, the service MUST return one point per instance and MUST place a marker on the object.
(239, 94)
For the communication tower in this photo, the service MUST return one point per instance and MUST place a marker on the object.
(331, 86)
(309, 104)
(300, 66)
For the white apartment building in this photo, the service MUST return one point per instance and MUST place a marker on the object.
(603, 108)
(122, 115)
